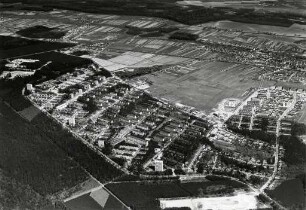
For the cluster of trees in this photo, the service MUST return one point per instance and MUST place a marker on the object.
(60, 64)
(137, 72)
(90, 104)
(255, 134)
(181, 35)
(298, 129)
(41, 32)
(295, 150)
(150, 32)
(245, 166)
(226, 190)
(231, 173)
(71, 89)
(255, 180)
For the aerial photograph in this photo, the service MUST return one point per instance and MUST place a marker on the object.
(152, 104)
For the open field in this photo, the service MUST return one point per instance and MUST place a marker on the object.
(84, 202)
(206, 86)
(142, 195)
(240, 201)
(132, 59)
(83, 188)
(96, 200)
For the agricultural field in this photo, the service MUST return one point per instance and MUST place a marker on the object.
(206, 86)
(295, 30)
(132, 59)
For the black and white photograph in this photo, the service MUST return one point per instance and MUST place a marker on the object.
(152, 104)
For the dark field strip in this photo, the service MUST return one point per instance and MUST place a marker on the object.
(11, 47)
(15, 195)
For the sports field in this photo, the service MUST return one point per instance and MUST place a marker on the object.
(205, 86)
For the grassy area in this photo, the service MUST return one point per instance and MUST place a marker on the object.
(28, 155)
(143, 195)
(84, 202)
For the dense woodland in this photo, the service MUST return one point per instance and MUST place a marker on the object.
(164, 9)
(29, 156)
(15, 195)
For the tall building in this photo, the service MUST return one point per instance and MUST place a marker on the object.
(159, 165)
(71, 121)
(29, 87)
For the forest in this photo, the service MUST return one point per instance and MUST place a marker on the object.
(87, 158)
(29, 156)
(166, 9)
